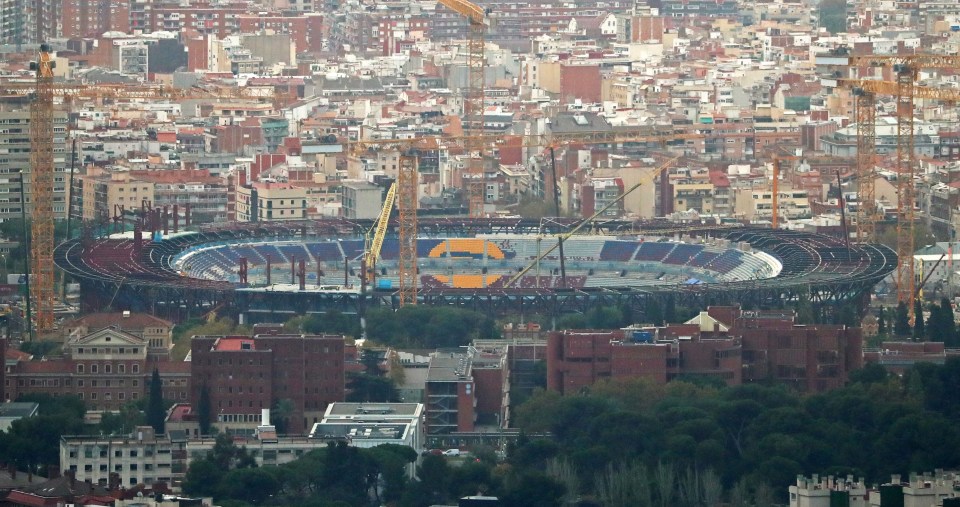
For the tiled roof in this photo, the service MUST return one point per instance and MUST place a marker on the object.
(133, 321)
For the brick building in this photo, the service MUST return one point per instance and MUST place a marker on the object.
(723, 342)
(107, 369)
(157, 332)
(245, 374)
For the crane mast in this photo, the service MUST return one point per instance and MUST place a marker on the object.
(380, 231)
(41, 188)
(905, 90)
(407, 208)
(473, 99)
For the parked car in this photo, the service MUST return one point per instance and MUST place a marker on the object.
(451, 452)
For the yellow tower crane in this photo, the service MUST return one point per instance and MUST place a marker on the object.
(41, 191)
(473, 102)
(406, 187)
(906, 69)
(375, 238)
(43, 92)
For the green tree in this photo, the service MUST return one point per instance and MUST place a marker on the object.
(535, 207)
(123, 422)
(901, 326)
(428, 327)
(368, 388)
(434, 473)
(604, 317)
(203, 478)
(281, 413)
(391, 466)
(156, 412)
(534, 489)
(947, 327)
(654, 312)
(345, 473)
(871, 373)
(919, 330)
(204, 410)
(254, 485)
(882, 321)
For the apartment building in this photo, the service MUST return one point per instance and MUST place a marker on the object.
(107, 369)
(104, 195)
(725, 342)
(361, 200)
(259, 202)
(15, 160)
(144, 457)
(156, 332)
(244, 375)
(206, 196)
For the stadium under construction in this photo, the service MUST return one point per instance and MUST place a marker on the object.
(270, 270)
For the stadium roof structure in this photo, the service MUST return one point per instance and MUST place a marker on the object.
(794, 264)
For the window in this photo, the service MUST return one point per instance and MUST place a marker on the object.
(93, 368)
(136, 367)
(107, 368)
(79, 368)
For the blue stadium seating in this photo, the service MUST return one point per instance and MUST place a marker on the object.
(682, 254)
(653, 251)
(621, 251)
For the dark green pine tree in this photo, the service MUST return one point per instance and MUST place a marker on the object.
(882, 321)
(204, 410)
(919, 330)
(949, 323)
(901, 325)
(155, 410)
(934, 321)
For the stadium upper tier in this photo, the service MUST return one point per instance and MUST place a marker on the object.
(733, 258)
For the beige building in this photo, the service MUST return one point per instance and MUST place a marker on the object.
(692, 194)
(260, 202)
(103, 192)
(361, 200)
(825, 491)
(143, 457)
(757, 204)
(156, 332)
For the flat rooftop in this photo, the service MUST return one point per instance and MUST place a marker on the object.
(18, 409)
(449, 368)
(229, 343)
(359, 431)
(393, 409)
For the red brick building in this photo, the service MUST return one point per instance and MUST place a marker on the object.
(724, 342)
(107, 369)
(244, 374)
(582, 82)
(94, 17)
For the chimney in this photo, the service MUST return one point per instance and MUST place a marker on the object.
(13, 471)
